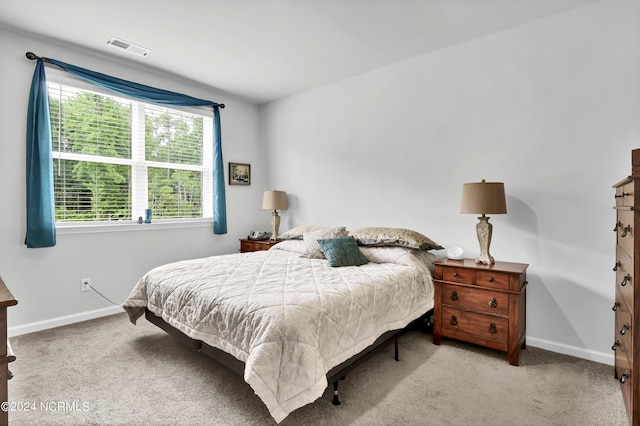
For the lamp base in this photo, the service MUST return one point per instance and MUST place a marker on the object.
(275, 225)
(484, 230)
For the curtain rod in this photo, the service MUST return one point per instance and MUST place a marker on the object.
(32, 56)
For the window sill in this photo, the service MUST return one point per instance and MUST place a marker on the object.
(128, 226)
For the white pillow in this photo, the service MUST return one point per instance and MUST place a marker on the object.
(294, 246)
(421, 259)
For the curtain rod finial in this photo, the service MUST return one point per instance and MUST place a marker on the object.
(32, 56)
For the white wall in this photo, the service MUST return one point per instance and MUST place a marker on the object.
(46, 282)
(551, 108)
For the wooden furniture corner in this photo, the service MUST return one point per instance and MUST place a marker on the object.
(6, 354)
(626, 337)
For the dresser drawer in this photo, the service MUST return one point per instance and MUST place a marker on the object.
(624, 275)
(623, 323)
(255, 245)
(492, 279)
(624, 195)
(459, 275)
(628, 196)
(619, 196)
(477, 299)
(623, 374)
(247, 246)
(484, 326)
(624, 235)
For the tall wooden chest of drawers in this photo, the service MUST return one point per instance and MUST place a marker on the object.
(626, 306)
(481, 304)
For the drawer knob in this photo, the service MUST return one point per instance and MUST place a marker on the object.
(492, 329)
(624, 329)
(624, 376)
(615, 306)
(493, 302)
(618, 225)
(491, 279)
(625, 231)
(626, 279)
(454, 320)
(615, 346)
(454, 295)
(618, 264)
(455, 275)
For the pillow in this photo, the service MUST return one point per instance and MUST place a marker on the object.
(297, 232)
(342, 251)
(294, 246)
(394, 237)
(312, 248)
(421, 259)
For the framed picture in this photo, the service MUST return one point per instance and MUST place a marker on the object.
(239, 174)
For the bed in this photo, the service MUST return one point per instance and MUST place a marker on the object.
(289, 319)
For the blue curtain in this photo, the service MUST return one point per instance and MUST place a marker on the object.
(42, 231)
(219, 205)
(41, 221)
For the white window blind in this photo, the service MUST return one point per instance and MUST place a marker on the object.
(115, 157)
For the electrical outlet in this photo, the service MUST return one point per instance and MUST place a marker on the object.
(85, 284)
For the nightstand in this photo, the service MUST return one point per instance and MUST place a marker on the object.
(481, 304)
(256, 245)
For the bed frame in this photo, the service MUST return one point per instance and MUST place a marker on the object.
(334, 375)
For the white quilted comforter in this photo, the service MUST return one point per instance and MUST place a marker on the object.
(290, 319)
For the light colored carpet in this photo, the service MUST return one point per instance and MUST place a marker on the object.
(110, 372)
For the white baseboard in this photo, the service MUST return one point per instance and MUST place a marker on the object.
(588, 354)
(60, 321)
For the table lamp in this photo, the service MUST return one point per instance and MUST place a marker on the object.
(274, 200)
(484, 198)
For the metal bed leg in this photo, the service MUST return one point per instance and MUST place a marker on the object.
(395, 345)
(336, 400)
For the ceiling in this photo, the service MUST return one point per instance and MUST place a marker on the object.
(264, 50)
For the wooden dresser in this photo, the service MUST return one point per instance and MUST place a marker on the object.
(481, 304)
(247, 245)
(6, 354)
(626, 305)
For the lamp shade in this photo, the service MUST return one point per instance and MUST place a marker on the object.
(274, 200)
(483, 198)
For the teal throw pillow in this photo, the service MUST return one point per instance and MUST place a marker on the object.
(343, 251)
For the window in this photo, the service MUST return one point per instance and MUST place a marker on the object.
(115, 157)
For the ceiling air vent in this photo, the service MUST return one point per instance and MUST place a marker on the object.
(128, 47)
